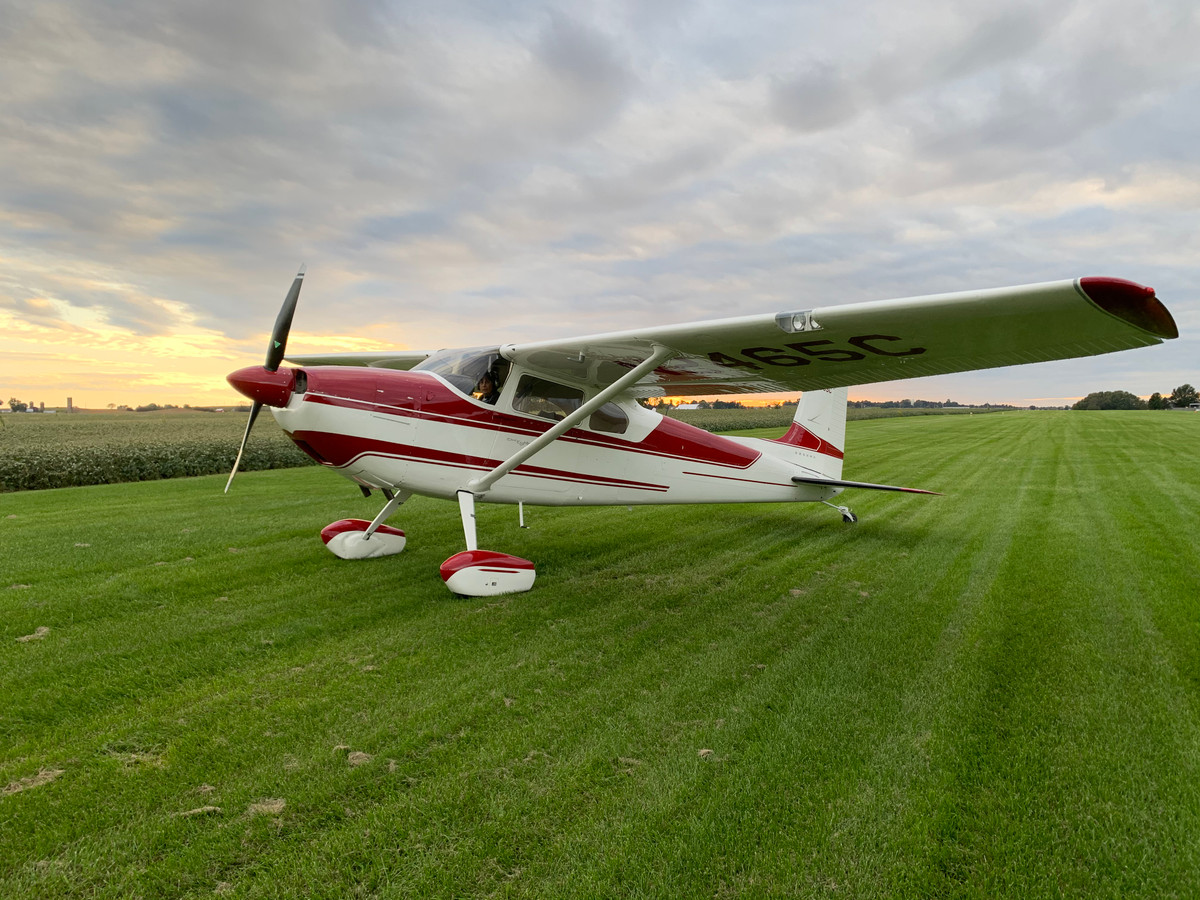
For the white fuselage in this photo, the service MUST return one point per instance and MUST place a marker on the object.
(412, 431)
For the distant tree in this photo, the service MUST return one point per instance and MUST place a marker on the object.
(17, 405)
(112, 406)
(1111, 400)
(1156, 401)
(1184, 395)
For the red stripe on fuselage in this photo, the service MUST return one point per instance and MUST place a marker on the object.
(422, 396)
(341, 450)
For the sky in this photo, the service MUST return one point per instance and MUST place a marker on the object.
(465, 173)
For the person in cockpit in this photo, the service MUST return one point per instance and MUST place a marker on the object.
(486, 389)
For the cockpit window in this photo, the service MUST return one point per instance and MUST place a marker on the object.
(464, 368)
(546, 399)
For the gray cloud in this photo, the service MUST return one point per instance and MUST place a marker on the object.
(826, 94)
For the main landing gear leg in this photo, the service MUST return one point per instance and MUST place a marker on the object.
(847, 516)
(360, 539)
(483, 573)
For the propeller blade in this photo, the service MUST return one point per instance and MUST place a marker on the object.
(245, 437)
(283, 324)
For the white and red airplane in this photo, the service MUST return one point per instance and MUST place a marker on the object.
(557, 423)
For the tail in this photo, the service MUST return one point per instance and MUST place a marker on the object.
(820, 426)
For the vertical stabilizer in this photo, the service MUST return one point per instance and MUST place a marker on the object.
(820, 426)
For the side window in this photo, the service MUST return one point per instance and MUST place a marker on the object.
(545, 399)
(611, 418)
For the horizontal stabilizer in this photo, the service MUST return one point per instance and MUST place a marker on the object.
(830, 482)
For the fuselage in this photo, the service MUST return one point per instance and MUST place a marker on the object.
(415, 431)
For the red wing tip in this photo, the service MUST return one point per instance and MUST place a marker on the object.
(1131, 302)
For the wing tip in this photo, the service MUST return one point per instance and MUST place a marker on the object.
(1131, 302)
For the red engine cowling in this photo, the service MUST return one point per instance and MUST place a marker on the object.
(264, 386)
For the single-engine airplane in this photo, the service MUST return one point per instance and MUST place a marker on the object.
(557, 422)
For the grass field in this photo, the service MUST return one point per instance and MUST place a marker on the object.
(990, 693)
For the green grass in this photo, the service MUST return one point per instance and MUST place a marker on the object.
(991, 693)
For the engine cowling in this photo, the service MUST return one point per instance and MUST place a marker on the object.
(264, 386)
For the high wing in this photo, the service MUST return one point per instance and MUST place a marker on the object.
(864, 343)
(857, 343)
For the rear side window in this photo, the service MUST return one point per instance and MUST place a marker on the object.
(609, 418)
(546, 399)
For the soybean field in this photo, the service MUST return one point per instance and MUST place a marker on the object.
(39, 450)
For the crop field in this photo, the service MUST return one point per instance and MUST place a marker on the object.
(991, 693)
(48, 451)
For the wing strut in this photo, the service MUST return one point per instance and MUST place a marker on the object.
(484, 482)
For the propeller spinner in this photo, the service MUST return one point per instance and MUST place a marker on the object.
(265, 384)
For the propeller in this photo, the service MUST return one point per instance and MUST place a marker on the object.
(264, 384)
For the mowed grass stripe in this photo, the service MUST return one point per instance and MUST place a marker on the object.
(957, 696)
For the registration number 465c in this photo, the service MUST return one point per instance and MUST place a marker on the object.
(805, 352)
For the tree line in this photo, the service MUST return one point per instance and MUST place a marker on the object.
(1180, 398)
(664, 406)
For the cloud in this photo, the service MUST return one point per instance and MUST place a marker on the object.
(825, 93)
(456, 170)
(587, 82)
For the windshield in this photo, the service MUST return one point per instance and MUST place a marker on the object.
(464, 368)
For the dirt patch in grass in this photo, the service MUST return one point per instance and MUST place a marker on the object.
(136, 758)
(270, 807)
(198, 811)
(39, 633)
(45, 776)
